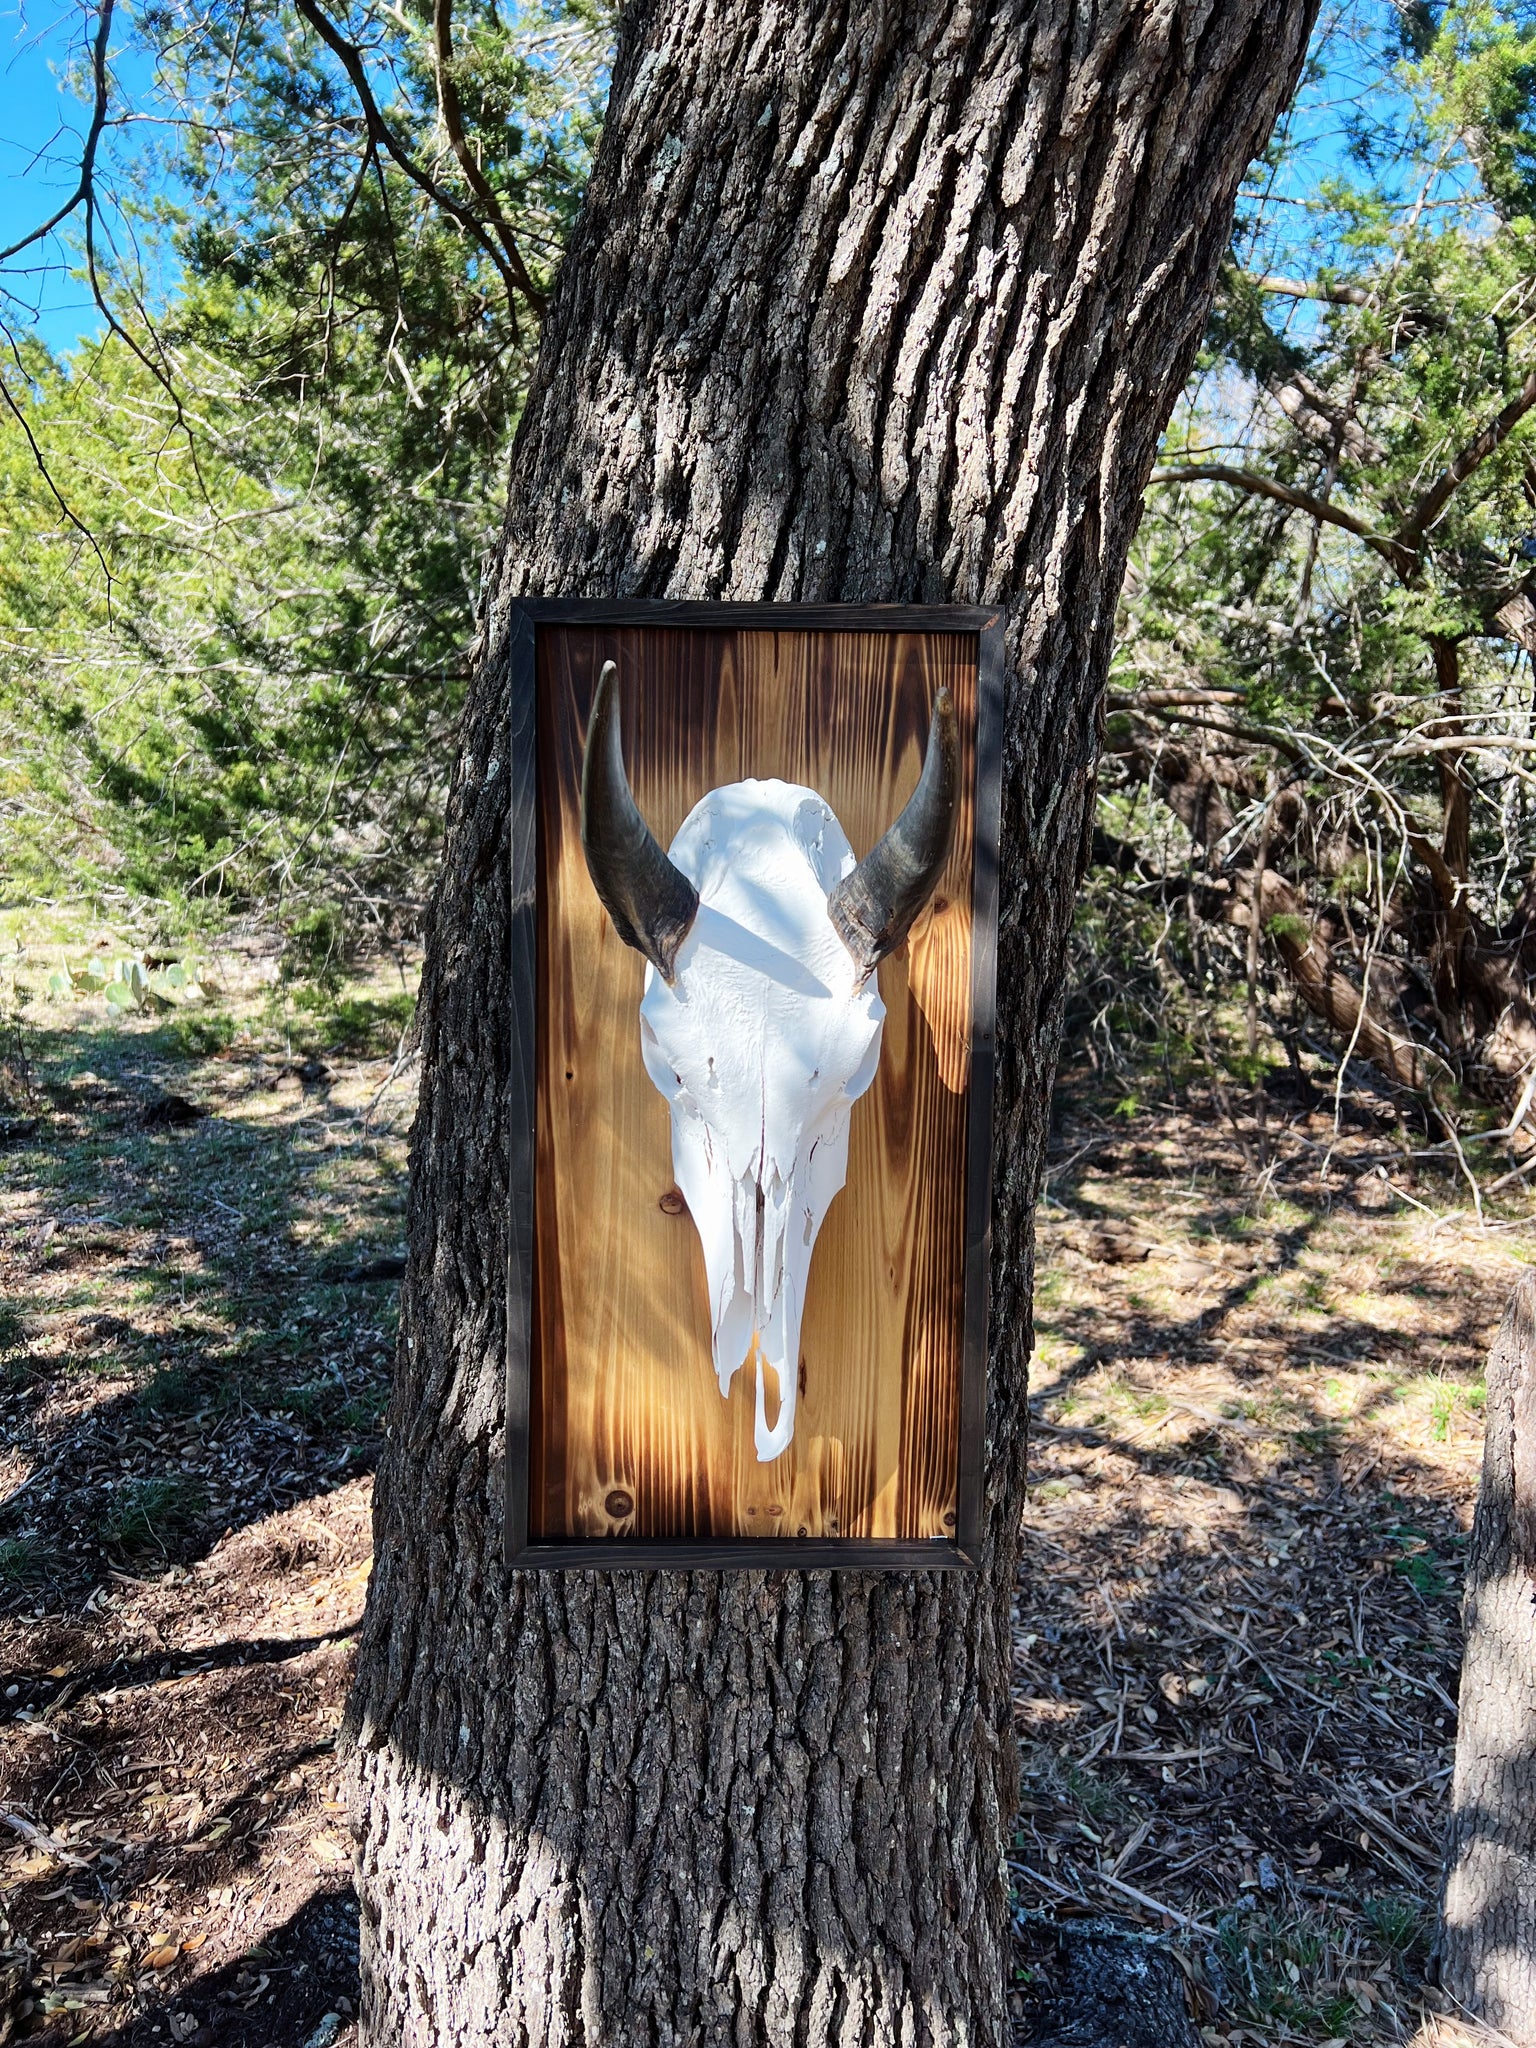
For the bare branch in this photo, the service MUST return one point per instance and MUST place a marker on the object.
(1274, 736)
(509, 266)
(1166, 700)
(1467, 743)
(57, 495)
(1385, 545)
(92, 136)
(1302, 288)
(1403, 548)
(452, 116)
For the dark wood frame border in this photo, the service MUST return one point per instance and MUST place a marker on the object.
(734, 1553)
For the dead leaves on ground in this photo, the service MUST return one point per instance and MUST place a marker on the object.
(1255, 1457)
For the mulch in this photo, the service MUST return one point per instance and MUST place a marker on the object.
(1254, 1461)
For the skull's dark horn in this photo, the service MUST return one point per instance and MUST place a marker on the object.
(875, 907)
(652, 903)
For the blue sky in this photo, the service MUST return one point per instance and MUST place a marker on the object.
(1357, 96)
(42, 123)
(43, 43)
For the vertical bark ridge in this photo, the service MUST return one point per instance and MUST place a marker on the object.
(870, 302)
(1487, 1939)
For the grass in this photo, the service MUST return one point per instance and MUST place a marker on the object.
(1400, 1921)
(191, 1276)
(1451, 1403)
(173, 1390)
(22, 1560)
(361, 1026)
(13, 1329)
(145, 1514)
(1287, 1971)
(1423, 1574)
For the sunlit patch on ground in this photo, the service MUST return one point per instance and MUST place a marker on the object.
(200, 1227)
(1257, 1431)
(1257, 1438)
(180, 1751)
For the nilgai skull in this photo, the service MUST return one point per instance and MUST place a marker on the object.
(760, 1022)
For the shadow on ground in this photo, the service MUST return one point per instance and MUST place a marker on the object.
(1257, 1419)
(297, 1986)
(200, 1222)
(200, 1322)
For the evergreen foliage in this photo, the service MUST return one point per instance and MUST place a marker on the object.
(245, 527)
(1324, 668)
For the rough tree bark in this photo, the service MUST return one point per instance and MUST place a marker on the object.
(874, 302)
(1487, 1938)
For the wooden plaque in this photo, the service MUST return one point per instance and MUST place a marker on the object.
(621, 1449)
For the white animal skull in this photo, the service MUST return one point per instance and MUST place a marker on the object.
(760, 1022)
(765, 1036)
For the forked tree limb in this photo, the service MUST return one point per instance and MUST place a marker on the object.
(98, 121)
(1434, 501)
(1348, 1011)
(1258, 486)
(452, 115)
(1404, 547)
(1500, 1038)
(508, 263)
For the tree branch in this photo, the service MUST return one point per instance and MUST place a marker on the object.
(57, 495)
(1230, 729)
(1166, 700)
(1386, 545)
(1302, 288)
(513, 272)
(1404, 547)
(92, 136)
(1434, 501)
(452, 116)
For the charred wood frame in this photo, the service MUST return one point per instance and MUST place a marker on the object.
(524, 1546)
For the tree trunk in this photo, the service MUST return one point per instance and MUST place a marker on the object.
(1487, 1941)
(885, 302)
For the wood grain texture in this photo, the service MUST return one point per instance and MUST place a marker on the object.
(629, 1435)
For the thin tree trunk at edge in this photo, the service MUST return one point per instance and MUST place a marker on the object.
(1487, 1938)
(867, 303)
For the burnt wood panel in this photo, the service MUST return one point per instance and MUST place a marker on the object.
(628, 1438)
